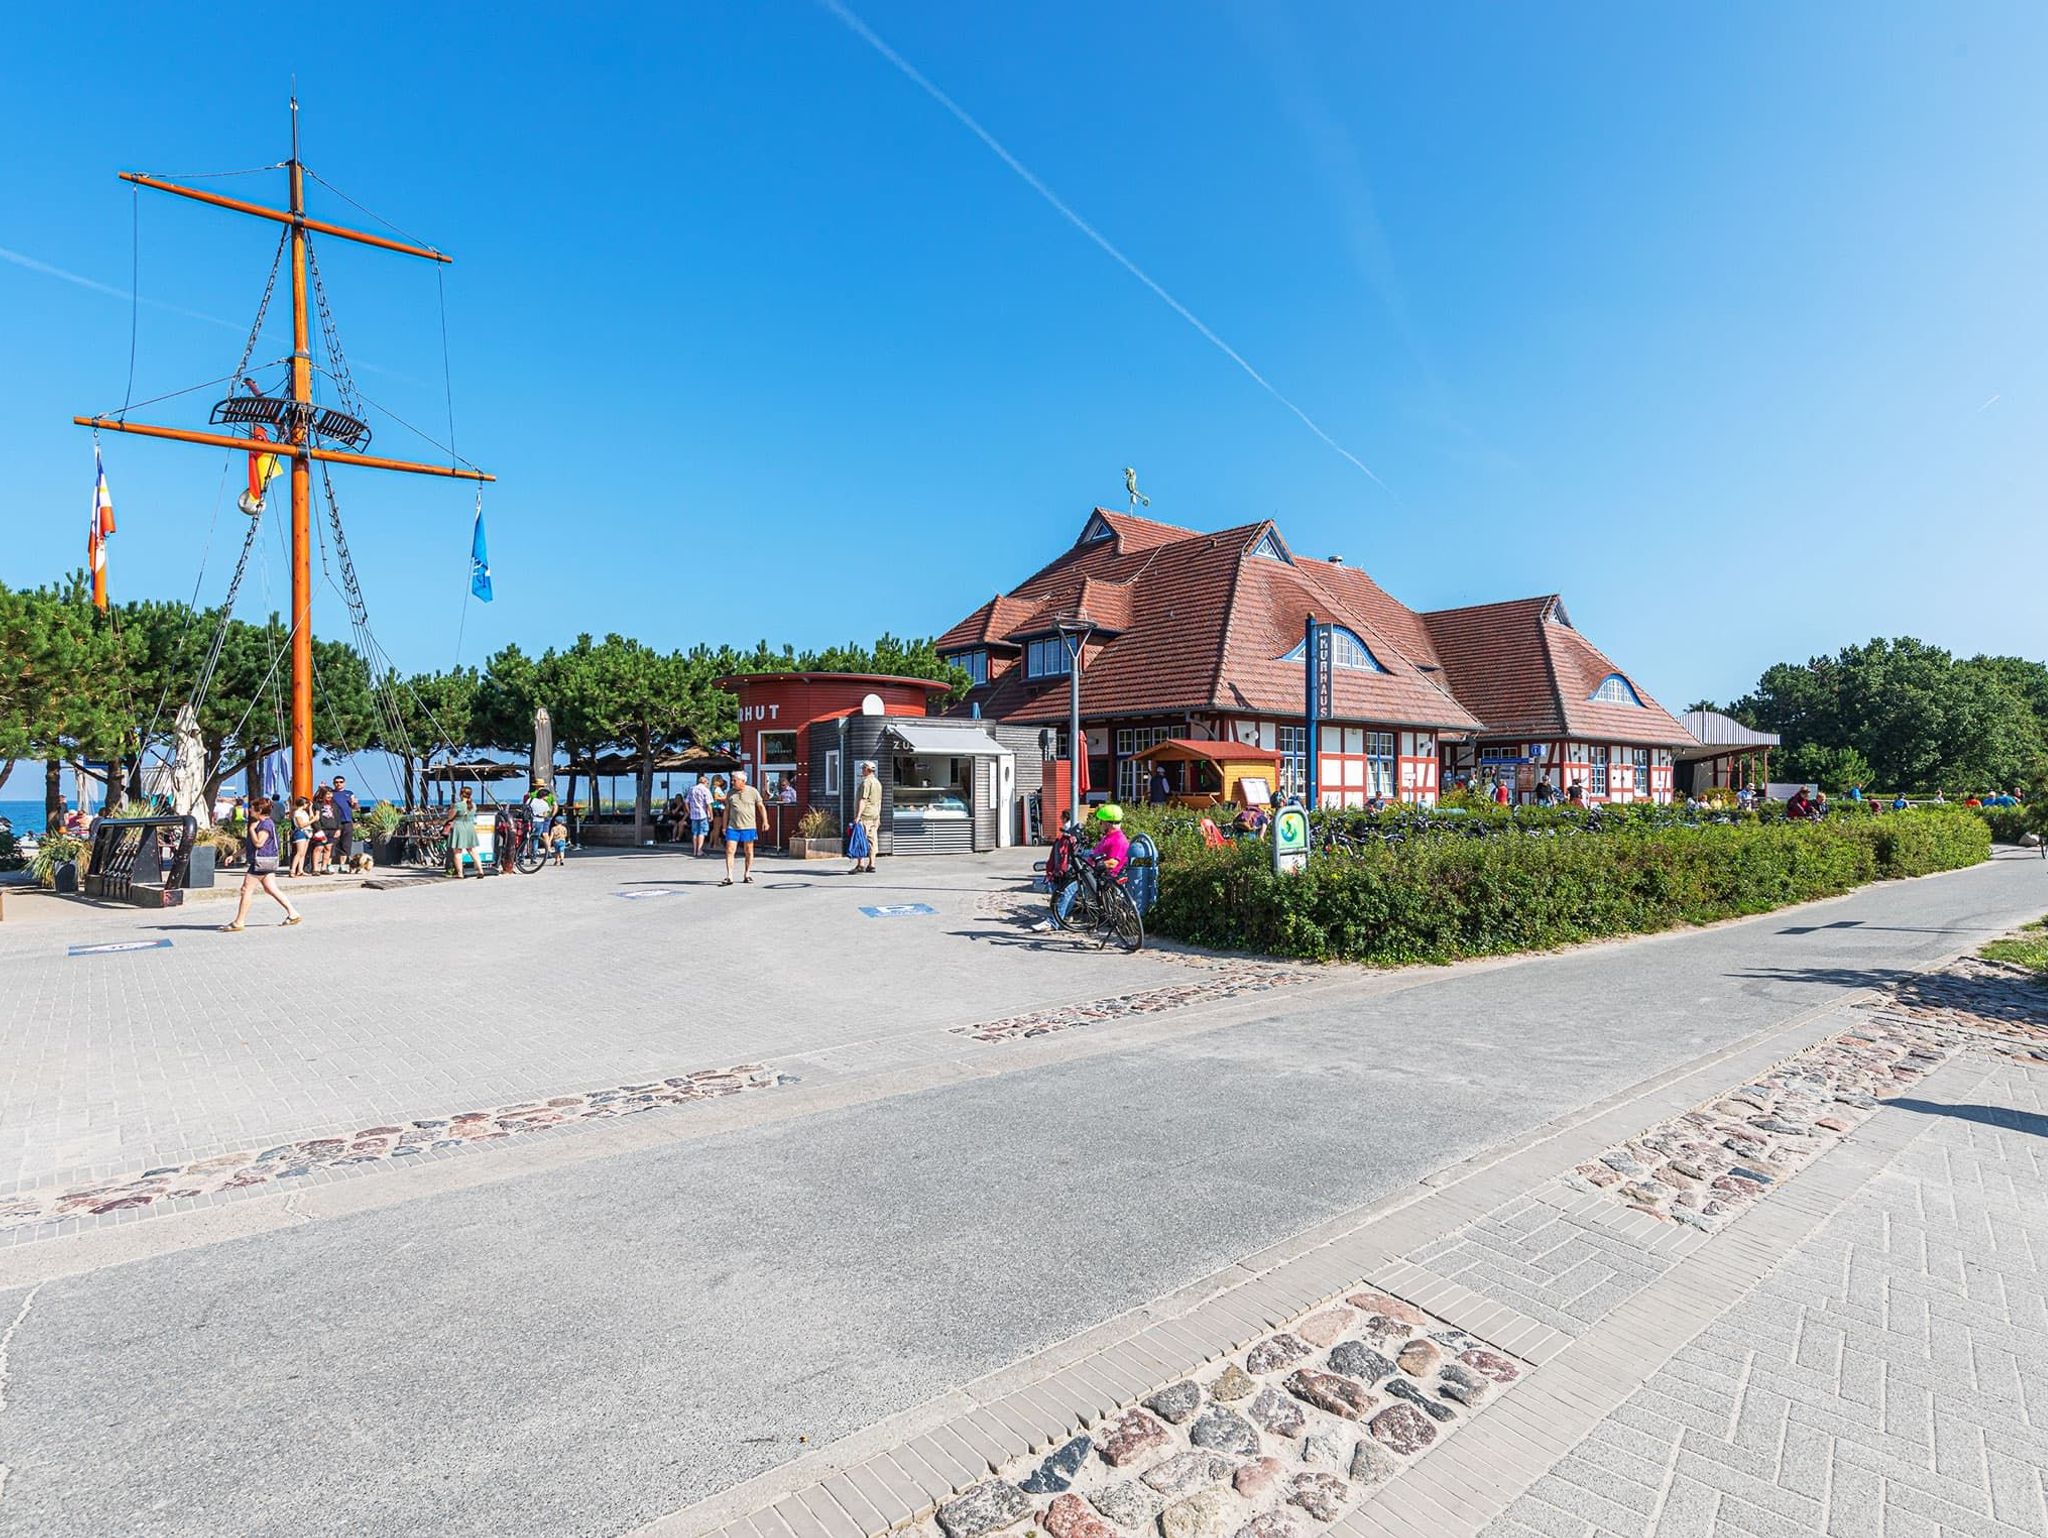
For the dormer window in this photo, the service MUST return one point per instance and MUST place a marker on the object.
(1271, 549)
(1097, 531)
(1616, 690)
(1048, 657)
(975, 663)
(1557, 616)
(1346, 651)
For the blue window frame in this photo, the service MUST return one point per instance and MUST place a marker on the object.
(1616, 690)
(975, 662)
(1047, 657)
(1346, 651)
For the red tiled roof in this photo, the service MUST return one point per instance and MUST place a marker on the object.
(990, 623)
(1527, 672)
(1203, 623)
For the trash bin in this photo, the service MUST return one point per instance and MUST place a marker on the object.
(1144, 877)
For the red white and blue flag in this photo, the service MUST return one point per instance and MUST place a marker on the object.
(98, 531)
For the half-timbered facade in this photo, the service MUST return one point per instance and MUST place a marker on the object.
(1188, 635)
(1552, 706)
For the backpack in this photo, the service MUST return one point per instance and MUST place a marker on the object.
(1059, 864)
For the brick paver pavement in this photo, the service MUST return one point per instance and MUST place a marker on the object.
(1886, 1379)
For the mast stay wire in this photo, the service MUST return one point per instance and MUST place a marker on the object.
(204, 681)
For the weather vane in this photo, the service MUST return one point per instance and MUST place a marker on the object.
(1138, 498)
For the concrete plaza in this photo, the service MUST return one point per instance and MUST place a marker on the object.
(942, 1161)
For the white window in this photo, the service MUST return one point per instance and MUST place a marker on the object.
(1346, 651)
(1293, 759)
(1597, 784)
(1130, 774)
(831, 771)
(976, 664)
(1379, 763)
(1616, 690)
(1047, 658)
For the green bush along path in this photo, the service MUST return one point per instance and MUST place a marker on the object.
(1438, 897)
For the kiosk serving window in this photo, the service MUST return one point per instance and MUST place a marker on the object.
(931, 787)
(777, 762)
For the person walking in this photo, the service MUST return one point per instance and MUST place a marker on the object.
(302, 835)
(744, 813)
(558, 835)
(698, 805)
(1160, 788)
(259, 849)
(540, 814)
(344, 801)
(867, 817)
(461, 827)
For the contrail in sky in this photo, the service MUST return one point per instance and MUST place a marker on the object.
(1990, 403)
(910, 72)
(21, 259)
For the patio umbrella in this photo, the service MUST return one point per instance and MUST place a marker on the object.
(543, 747)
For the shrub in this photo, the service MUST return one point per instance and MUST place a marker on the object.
(817, 823)
(1440, 898)
(2007, 823)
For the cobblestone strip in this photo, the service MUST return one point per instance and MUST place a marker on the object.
(1273, 1442)
(1704, 1167)
(248, 1168)
(1225, 980)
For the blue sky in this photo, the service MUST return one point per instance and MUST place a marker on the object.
(1726, 323)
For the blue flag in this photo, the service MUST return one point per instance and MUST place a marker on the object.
(479, 561)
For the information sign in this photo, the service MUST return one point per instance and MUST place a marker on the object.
(1290, 840)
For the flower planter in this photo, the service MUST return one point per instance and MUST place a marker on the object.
(816, 848)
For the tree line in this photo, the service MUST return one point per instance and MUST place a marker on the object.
(100, 692)
(1903, 715)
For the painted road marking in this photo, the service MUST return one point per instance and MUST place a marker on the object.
(660, 891)
(116, 947)
(899, 911)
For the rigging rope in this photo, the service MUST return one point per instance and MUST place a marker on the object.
(134, 290)
(197, 697)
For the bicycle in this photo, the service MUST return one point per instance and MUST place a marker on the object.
(527, 840)
(1096, 902)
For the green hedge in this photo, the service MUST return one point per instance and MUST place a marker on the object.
(1438, 899)
(2007, 823)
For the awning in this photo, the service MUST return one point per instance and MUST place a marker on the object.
(1184, 750)
(959, 741)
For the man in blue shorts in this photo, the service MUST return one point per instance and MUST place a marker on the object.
(697, 804)
(744, 814)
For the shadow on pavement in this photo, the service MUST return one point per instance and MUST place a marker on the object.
(1989, 1115)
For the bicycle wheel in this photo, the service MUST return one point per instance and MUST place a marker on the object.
(1121, 921)
(530, 858)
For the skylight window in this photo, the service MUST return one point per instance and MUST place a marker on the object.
(1346, 651)
(1616, 690)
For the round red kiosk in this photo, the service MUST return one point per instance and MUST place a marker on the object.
(776, 743)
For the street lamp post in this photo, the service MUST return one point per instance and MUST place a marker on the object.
(1071, 641)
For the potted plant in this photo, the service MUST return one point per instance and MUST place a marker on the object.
(815, 836)
(377, 826)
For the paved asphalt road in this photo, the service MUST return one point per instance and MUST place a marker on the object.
(580, 1350)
